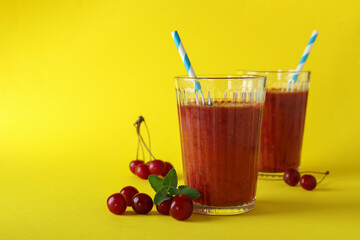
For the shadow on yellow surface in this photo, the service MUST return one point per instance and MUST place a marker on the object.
(264, 207)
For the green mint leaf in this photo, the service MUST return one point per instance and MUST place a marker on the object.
(171, 179)
(161, 195)
(174, 191)
(189, 191)
(155, 182)
(164, 189)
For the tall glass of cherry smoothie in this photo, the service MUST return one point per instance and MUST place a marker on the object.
(284, 119)
(220, 137)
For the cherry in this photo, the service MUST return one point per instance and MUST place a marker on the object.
(168, 167)
(291, 176)
(117, 203)
(142, 171)
(133, 165)
(156, 167)
(164, 207)
(129, 193)
(181, 207)
(142, 203)
(308, 182)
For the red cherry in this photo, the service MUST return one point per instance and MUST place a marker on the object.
(168, 167)
(156, 167)
(133, 165)
(164, 207)
(129, 193)
(291, 176)
(181, 207)
(142, 203)
(308, 182)
(117, 203)
(142, 171)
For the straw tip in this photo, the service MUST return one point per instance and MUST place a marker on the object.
(173, 33)
(315, 32)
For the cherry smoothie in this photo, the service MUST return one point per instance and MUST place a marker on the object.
(282, 130)
(220, 150)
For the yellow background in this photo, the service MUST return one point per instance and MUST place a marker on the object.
(75, 75)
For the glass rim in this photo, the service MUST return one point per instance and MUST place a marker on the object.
(223, 77)
(275, 71)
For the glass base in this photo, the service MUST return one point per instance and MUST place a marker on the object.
(272, 175)
(226, 210)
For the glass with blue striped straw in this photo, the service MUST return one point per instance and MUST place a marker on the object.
(220, 142)
(220, 137)
(284, 116)
(283, 121)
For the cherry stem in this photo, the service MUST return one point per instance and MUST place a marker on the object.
(137, 125)
(137, 150)
(143, 142)
(142, 148)
(325, 174)
(148, 132)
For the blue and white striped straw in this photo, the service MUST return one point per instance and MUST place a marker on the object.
(186, 61)
(305, 54)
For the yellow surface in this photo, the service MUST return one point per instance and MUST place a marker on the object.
(74, 76)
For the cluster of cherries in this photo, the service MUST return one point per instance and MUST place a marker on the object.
(308, 182)
(155, 166)
(179, 207)
(141, 203)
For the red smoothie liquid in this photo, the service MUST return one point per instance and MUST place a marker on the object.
(220, 150)
(282, 130)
